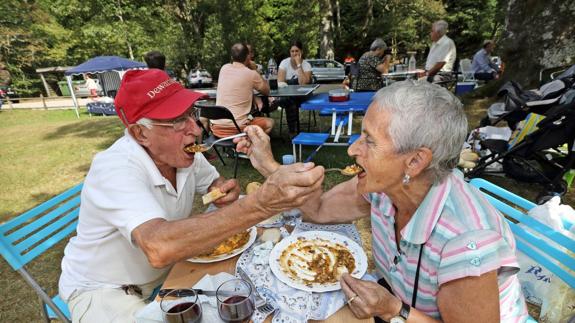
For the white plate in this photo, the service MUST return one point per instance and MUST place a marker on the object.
(355, 249)
(233, 253)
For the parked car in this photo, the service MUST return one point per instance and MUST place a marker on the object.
(199, 78)
(326, 70)
(6, 92)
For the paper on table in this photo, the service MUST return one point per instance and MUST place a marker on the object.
(152, 313)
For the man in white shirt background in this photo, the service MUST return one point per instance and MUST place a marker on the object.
(483, 68)
(442, 54)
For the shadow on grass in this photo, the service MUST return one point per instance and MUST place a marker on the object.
(110, 129)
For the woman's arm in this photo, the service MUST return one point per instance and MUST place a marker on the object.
(383, 68)
(281, 75)
(303, 77)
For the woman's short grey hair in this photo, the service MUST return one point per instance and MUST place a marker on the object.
(148, 123)
(425, 115)
(440, 27)
(378, 43)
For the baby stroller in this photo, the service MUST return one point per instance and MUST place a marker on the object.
(518, 103)
(537, 158)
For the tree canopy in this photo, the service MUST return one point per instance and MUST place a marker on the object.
(42, 33)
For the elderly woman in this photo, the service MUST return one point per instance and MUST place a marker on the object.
(443, 253)
(371, 65)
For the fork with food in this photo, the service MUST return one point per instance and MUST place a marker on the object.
(350, 170)
(200, 148)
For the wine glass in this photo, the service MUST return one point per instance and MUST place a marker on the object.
(235, 301)
(178, 308)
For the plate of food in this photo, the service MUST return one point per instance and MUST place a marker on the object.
(315, 260)
(229, 248)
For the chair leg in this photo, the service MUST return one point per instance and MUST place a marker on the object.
(309, 120)
(219, 156)
(44, 311)
(236, 164)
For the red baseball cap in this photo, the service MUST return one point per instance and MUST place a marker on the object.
(152, 94)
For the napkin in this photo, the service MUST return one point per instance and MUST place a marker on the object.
(282, 84)
(152, 313)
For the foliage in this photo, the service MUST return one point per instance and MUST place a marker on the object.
(42, 33)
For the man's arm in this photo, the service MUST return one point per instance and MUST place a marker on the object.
(166, 242)
(261, 85)
(435, 69)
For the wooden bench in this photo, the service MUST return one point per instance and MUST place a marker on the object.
(30, 234)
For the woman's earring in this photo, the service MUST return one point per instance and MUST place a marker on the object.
(406, 179)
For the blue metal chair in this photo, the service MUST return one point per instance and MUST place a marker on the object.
(308, 139)
(30, 234)
(542, 247)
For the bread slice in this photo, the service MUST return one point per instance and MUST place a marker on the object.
(212, 196)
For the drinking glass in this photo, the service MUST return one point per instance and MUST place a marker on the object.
(235, 301)
(185, 309)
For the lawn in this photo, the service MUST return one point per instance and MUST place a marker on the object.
(45, 152)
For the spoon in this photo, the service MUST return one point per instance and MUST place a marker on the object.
(199, 148)
(351, 170)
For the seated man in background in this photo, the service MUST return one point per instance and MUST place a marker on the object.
(135, 217)
(236, 84)
(483, 68)
(442, 54)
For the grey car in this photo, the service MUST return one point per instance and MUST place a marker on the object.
(326, 70)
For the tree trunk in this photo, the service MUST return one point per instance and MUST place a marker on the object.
(538, 35)
(326, 49)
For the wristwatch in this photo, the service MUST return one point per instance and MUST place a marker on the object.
(403, 314)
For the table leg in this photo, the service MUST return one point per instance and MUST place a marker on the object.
(333, 118)
(349, 125)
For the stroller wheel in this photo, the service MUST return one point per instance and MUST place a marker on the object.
(553, 190)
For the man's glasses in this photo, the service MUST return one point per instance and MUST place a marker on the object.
(179, 124)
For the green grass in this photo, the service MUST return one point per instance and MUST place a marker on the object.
(43, 153)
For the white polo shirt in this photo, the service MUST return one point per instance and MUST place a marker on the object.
(290, 71)
(122, 190)
(443, 50)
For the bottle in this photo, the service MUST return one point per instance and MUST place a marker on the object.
(411, 64)
(273, 74)
(272, 69)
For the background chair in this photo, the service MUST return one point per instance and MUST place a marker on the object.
(214, 112)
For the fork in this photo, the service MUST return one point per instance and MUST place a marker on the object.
(262, 305)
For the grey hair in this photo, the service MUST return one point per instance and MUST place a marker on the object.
(425, 115)
(378, 43)
(145, 122)
(440, 26)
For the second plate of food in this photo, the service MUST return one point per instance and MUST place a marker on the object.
(229, 248)
(314, 260)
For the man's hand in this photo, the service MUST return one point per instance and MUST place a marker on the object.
(230, 187)
(371, 300)
(289, 187)
(257, 146)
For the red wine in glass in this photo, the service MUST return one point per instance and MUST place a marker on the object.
(184, 313)
(236, 309)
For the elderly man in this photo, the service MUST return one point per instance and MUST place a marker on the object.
(137, 200)
(236, 84)
(442, 54)
(443, 253)
(483, 68)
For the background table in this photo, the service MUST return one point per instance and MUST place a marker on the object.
(186, 274)
(293, 90)
(358, 102)
(101, 108)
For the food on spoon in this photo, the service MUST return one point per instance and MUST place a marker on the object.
(213, 195)
(195, 148)
(232, 243)
(352, 170)
(316, 261)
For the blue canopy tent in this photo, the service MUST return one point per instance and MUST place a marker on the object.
(101, 64)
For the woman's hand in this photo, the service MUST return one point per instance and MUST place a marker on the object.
(257, 146)
(368, 299)
(297, 59)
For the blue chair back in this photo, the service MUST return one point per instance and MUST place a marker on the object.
(27, 236)
(535, 239)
